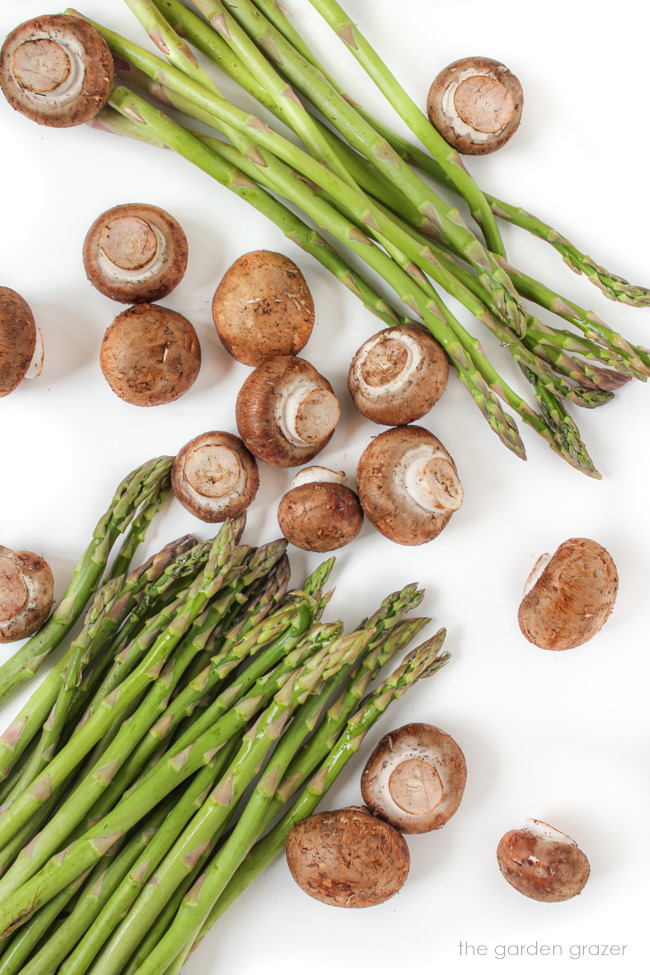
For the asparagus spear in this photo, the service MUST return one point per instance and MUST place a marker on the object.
(195, 911)
(142, 487)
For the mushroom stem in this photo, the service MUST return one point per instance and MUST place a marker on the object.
(213, 471)
(388, 363)
(35, 367)
(308, 413)
(13, 590)
(432, 482)
(318, 475)
(49, 69)
(131, 249)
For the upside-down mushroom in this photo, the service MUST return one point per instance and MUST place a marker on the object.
(21, 343)
(214, 476)
(476, 104)
(415, 778)
(398, 375)
(348, 857)
(569, 595)
(320, 513)
(542, 863)
(150, 355)
(57, 70)
(26, 593)
(263, 308)
(286, 411)
(408, 485)
(135, 252)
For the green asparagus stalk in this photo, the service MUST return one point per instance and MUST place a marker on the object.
(182, 761)
(420, 663)
(612, 285)
(195, 911)
(64, 763)
(144, 486)
(219, 806)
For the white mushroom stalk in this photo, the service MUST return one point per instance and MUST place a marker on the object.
(36, 365)
(319, 475)
(307, 413)
(214, 476)
(213, 471)
(131, 249)
(429, 479)
(386, 364)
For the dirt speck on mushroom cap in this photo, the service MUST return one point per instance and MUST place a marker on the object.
(348, 857)
(572, 598)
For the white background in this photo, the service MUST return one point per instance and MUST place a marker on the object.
(561, 737)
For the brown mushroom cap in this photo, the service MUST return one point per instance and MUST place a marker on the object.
(415, 778)
(26, 593)
(286, 411)
(263, 308)
(57, 70)
(408, 485)
(18, 338)
(475, 104)
(214, 476)
(320, 515)
(543, 863)
(135, 252)
(150, 355)
(398, 375)
(571, 595)
(347, 858)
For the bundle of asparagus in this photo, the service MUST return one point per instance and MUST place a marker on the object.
(200, 699)
(360, 183)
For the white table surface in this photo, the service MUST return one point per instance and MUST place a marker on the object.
(557, 736)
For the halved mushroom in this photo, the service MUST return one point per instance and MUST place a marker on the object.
(57, 70)
(135, 252)
(408, 485)
(286, 411)
(569, 595)
(398, 375)
(21, 343)
(415, 778)
(476, 104)
(150, 355)
(542, 862)
(263, 308)
(214, 476)
(26, 593)
(319, 512)
(347, 858)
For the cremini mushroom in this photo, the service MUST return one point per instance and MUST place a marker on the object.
(21, 343)
(408, 485)
(286, 411)
(263, 308)
(320, 512)
(26, 593)
(569, 595)
(214, 476)
(57, 70)
(347, 858)
(135, 252)
(150, 355)
(415, 778)
(476, 104)
(398, 375)
(542, 862)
